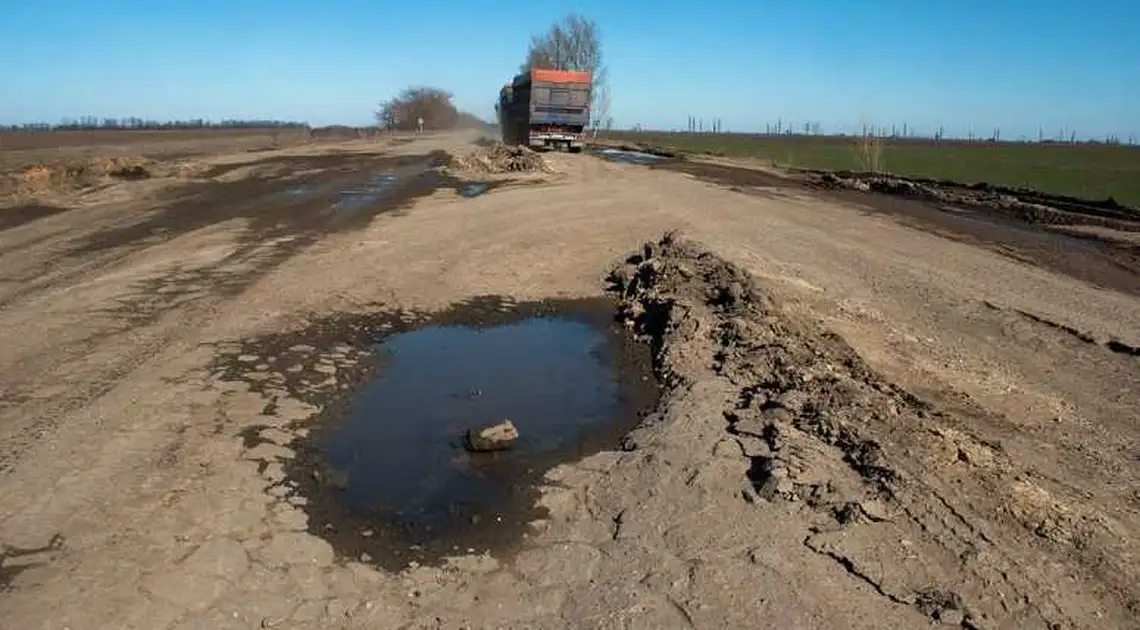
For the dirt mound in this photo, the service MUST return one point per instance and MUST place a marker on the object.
(500, 158)
(76, 174)
(125, 168)
(681, 296)
(1027, 205)
(851, 464)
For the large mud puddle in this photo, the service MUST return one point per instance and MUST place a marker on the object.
(360, 185)
(394, 183)
(383, 185)
(383, 473)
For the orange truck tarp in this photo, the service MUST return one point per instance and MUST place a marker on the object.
(559, 76)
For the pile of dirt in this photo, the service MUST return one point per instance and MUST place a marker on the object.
(892, 489)
(500, 158)
(797, 380)
(1027, 205)
(43, 177)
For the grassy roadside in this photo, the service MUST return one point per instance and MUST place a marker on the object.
(1088, 171)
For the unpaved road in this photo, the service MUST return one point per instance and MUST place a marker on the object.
(865, 425)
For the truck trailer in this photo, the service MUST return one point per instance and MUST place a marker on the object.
(546, 109)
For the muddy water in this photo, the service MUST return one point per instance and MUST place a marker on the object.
(474, 189)
(382, 472)
(628, 157)
(410, 181)
(382, 186)
(399, 452)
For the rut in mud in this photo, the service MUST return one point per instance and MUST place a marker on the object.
(892, 488)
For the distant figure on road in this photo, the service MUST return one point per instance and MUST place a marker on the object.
(420, 124)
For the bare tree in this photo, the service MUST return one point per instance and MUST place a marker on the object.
(869, 148)
(574, 44)
(431, 104)
(601, 108)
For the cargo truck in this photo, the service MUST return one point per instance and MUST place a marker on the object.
(546, 109)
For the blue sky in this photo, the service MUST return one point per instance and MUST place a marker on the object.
(961, 64)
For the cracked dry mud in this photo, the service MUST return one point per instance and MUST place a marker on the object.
(927, 515)
(863, 424)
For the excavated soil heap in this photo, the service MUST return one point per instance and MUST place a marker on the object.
(75, 174)
(500, 158)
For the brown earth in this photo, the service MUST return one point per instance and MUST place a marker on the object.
(870, 418)
(21, 149)
(159, 139)
(1083, 239)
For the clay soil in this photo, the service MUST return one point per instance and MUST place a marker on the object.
(873, 415)
(19, 148)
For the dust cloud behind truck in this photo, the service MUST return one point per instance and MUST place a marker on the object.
(546, 109)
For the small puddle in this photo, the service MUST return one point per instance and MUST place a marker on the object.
(298, 192)
(400, 453)
(397, 183)
(474, 189)
(385, 477)
(628, 157)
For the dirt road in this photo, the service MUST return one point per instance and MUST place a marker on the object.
(863, 424)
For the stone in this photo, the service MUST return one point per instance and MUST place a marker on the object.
(492, 437)
(734, 292)
(876, 510)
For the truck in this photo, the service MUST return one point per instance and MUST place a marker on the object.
(546, 109)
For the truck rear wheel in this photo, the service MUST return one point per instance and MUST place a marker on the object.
(575, 149)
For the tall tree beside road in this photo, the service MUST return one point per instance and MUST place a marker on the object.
(574, 44)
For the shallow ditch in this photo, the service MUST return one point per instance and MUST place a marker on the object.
(382, 472)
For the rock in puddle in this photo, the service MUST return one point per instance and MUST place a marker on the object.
(493, 437)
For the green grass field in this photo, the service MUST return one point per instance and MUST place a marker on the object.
(1088, 171)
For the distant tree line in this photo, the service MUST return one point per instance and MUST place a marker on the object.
(91, 123)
